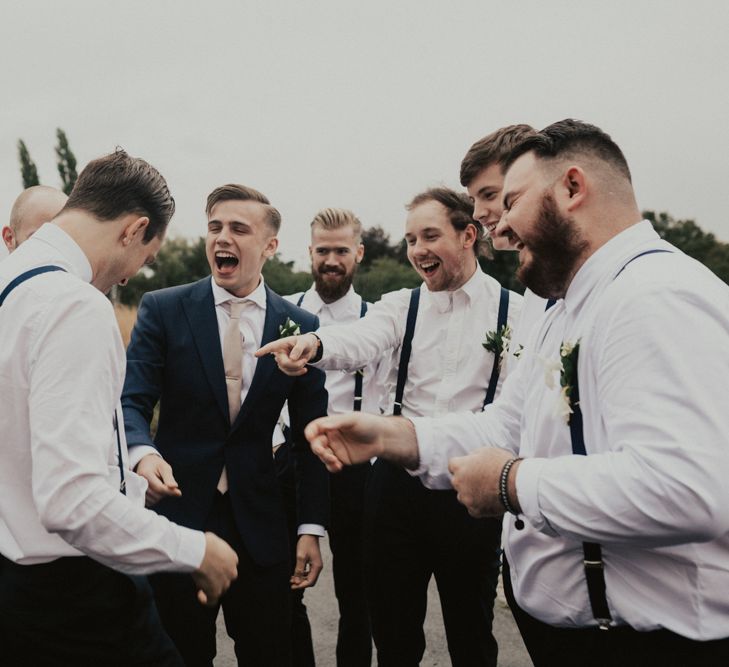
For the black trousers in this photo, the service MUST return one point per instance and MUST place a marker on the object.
(346, 540)
(411, 534)
(302, 646)
(256, 607)
(77, 612)
(618, 647)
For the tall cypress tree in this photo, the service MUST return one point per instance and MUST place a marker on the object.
(28, 170)
(66, 162)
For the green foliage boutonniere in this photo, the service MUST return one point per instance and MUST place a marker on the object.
(289, 328)
(568, 367)
(497, 342)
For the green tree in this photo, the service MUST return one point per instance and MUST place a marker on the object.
(694, 241)
(384, 275)
(179, 261)
(28, 170)
(377, 244)
(66, 162)
(282, 279)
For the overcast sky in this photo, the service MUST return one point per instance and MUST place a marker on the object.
(362, 104)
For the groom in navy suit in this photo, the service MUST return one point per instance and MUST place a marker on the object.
(210, 465)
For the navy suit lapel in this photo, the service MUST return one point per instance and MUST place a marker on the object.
(199, 309)
(275, 316)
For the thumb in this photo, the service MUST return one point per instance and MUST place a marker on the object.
(202, 598)
(168, 478)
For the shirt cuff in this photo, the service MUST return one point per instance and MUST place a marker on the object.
(432, 460)
(527, 492)
(311, 529)
(138, 452)
(191, 552)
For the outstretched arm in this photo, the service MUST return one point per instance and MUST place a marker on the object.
(357, 437)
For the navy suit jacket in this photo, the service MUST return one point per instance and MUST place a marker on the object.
(175, 356)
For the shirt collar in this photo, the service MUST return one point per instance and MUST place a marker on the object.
(257, 296)
(472, 288)
(607, 261)
(350, 302)
(75, 260)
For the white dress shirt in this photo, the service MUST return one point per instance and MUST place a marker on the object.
(252, 321)
(532, 309)
(653, 490)
(449, 369)
(62, 367)
(340, 383)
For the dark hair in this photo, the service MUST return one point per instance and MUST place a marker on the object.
(118, 184)
(235, 192)
(572, 137)
(460, 210)
(494, 148)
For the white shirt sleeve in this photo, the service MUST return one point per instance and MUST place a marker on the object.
(662, 479)
(74, 468)
(352, 346)
(458, 434)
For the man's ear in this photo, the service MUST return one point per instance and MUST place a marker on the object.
(360, 253)
(134, 228)
(271, 247)
(573, 187)
(470, 235)
(9, 238)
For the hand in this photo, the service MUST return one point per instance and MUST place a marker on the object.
(160, 481)
(218, 569)
(292, 353)
(357, 437)
(476, 478)
(308, 562)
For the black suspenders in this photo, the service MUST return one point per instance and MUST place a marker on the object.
(407, 346)
(592, 552)
(359, 374)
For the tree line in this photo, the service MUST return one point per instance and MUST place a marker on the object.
(385, 266)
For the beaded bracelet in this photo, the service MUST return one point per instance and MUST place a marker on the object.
(504, 494)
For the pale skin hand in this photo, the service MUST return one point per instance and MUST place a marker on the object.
(160, 480)
(476, 478)
(217, 570)
(292, 353)
(308, 562)
(356, 437)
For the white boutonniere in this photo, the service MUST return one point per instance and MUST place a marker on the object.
(289, 328)
(497, 342)
(568, 367)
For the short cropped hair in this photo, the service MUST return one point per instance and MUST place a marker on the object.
(235, 192)
(569, 138)
(336, 218)
(494, 148)
(118, 184)
(459, 207)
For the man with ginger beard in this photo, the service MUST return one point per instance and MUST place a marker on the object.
(336, 250)
(432, 339)
(192, 349)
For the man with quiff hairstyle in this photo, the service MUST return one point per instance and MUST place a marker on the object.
(34, 206)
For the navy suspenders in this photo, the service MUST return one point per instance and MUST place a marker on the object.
(407, 346)
(405, 350)
(25, 276)
(500, 324)
(592, 552)
(47, 269)
(359, 375)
